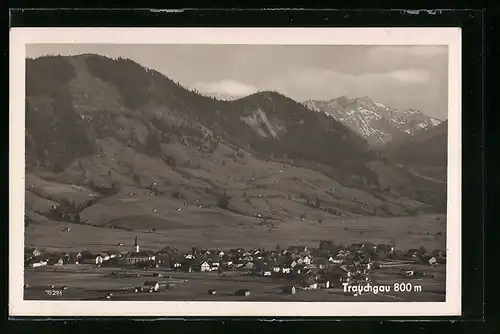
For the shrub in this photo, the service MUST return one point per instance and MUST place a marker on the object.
(422, 250)
(223, 201)
(177, 194)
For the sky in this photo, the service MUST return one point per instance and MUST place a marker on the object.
(402, 77)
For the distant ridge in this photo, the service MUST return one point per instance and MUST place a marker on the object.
(374, 121)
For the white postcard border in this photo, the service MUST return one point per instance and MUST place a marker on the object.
(19, 37)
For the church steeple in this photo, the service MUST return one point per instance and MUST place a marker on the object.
(136, 245)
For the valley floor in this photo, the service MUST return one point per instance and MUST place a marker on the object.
(404, 232)
(96, 283)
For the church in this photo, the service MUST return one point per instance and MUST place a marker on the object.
(137, 256)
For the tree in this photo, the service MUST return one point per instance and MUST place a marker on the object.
(326, 245)
(422, 250)
(224, 201)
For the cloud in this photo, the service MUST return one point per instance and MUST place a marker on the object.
(410, 76)
(313, 83)
(406, 53)
(230, 87)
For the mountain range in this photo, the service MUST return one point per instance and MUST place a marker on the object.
(223, 96)
(374, 121)
(106, 134)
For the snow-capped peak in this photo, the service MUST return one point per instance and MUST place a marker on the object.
(374, 121)
(223, 96)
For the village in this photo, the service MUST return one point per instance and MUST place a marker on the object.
(327, 266)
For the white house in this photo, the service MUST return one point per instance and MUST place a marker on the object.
(337, 259)
(39, 264)
(105, 256)
(286, 270)
(205, 267)
(151, 286)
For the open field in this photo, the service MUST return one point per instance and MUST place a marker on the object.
(405, 232)
(94, 283)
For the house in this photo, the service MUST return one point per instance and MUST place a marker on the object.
(151, 286)
(266, 273)
(413, 253)
(93, 259)
(324, 283)
(242, 292)
(276, 269)
(73, 258)
(338, 259)
(212, 292)
(189, 257)
(297, 249)
(205, 266)
(55, 261)
(289, 290)
(137, 257)
(164, 259)
(304, 260)
(32, 252)
(356, 247)
(247, 258)
(321, 263)
(186, 267)
(310, 283)
(249, 265)
(113, 254)
(286, 270)
(407, 272)
(39, 263)
(105, 256)
(432, 261)
(336, 277)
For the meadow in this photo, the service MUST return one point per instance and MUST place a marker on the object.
(95, 283)
(226, 230)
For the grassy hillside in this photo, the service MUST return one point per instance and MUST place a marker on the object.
(427, 148)
(120, 148)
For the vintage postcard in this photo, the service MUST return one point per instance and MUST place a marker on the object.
(235, 172)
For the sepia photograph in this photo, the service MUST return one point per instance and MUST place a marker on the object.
(235, 171)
